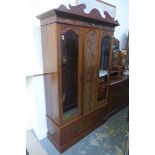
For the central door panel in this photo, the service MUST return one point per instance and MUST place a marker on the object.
(89, 68)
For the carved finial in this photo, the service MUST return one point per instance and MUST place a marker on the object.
(62, 8)
(116, 22)
(78, 8)
(95, 13)
(107, 16)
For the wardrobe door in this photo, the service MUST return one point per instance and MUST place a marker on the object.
(70, 69)
(89, 77)
(105, 50)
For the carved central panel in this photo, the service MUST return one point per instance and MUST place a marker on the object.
(89, 70)
(90, 55)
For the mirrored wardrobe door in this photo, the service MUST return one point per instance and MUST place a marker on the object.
(103, 66)
(70, 71)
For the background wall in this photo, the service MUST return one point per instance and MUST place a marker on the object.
(122, 15)
(36, 119)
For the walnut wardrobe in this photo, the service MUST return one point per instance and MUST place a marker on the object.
(77, 53)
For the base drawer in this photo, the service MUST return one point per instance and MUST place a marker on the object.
(80, 126)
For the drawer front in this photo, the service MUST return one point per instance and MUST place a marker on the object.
(118, 95)
(119, 86)
(81, 126)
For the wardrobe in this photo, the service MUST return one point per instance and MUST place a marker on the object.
(77, 54)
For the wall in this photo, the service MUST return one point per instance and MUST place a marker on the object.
(34, 55)
(36, 119)
(122, 15)
(39, 6)
(36, 109)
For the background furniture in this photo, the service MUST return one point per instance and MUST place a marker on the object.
(78, 87)
(118, 93)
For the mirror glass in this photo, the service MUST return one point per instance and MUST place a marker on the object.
(69, 62)
(103, 69)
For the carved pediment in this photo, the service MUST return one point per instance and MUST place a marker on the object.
(94, 13)
(77, 12)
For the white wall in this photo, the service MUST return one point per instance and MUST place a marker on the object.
(36, 119)
(30, 100)
(34, 54)
(122, 15)
(37, 7)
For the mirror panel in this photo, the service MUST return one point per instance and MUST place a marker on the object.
(103, 68)
(104, 58)
(69, 62)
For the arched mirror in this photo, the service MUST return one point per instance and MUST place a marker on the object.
(105, 50)
(103, 68)
(69, 65)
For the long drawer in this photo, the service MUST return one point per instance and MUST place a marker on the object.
(81, 126)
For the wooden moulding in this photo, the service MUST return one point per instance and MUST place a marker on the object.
(77, 12)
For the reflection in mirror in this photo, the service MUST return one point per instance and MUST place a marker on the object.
(69, 61)
(105, 49)
(115, 55)
(103, 70)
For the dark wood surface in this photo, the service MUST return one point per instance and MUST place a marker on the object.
(118, 93)
(90, 59)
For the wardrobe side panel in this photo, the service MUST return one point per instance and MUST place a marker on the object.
(49, 48)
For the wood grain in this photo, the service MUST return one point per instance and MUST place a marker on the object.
(49, 48)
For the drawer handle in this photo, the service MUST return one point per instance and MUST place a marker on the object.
(76, 129)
